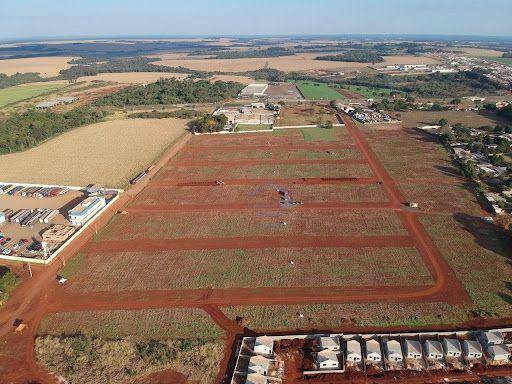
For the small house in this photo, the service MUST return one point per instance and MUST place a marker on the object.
(498, 353)
(472, 349)
(492, 338)
(394, 351)
(331, 343)
(327, 359)
(433, 350)
(373, 351)
(452, 347)
(354, 351)
(264, 345)
(256, 378)
(259, 364)
(412, 349)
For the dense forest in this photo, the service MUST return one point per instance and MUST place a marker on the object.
(433, 85)
(19, 78)
(171, 91)
(22, 131)
(179, 114)
(94, 66)
(208, 124)
(254, 53)
(358, 56)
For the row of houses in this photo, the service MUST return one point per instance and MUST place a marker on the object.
(337, 353)
(48, 104)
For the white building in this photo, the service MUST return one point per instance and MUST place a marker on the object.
(452, 348)
(498, 353)
(332, 343)
(256, 378)
(264, 345)
(492, 338)
(86, 209)
(259, 364)
(327, 359)
(354, 351)
(412, 349)
(394, 351)
(433, 350)
(373, 352)
(472, 349)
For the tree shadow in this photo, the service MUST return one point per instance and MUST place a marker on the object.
(448, 170)
(507, 297)
(485, 234)
(3, 271)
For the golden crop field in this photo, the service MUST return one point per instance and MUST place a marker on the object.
(299, 62)
(46, 66)
(108, 153)
(134, 77)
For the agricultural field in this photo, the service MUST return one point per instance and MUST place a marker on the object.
(471, 119)
(108, 153)
(19, 93)
(305, 114)
(133, 77)
(45, 66)
(502, 60)
(300, 62)
(317, 91)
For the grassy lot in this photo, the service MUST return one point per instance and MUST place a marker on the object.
(23, 92)
(503, 60)
(473, 119)
(253, 127)
(317, 91)
(318, 134)
(270, 268)
(368, 92)
(8, 282)
(305, 114)
(118, 346)
(157, 324)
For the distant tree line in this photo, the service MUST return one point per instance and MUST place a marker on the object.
(171, 91)
(22, 131)
(94, 66)
(19, 78)
(359, 56)
(179, 114)
(255, 53)
(507, 54)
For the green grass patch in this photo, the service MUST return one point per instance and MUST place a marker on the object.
(252, 127)
(8, 282)
(369, 92)
(72, 266)
(502, 60)
(318, 134)
(18, 93)
(317, 91)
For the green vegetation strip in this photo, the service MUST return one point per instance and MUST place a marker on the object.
(253, 127)
(317, 91)
(502, 60)
(8, 282)
(18, 93)
(318, 134)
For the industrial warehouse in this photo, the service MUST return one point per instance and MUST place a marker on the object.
(38, 221)
(263, 359)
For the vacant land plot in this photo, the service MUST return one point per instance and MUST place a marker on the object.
(502, 60)
(212, 224)
(469, 119)
(253, 127)
(305, 114)
(368, 92)
(27, 91)
(299, 62)
(134, 77)
(259, 195)
(270, 268)
(318, 91)
(46, 66)
(108, 153)
(149, 324)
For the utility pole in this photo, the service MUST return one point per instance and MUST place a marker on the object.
(30, 270)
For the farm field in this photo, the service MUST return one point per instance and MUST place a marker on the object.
(18, 93)
(110, 153)
(299, 62)
(473, 119)
(317, 91)
(305, 114)
(45, 66)
(502, 60)
(134, 77)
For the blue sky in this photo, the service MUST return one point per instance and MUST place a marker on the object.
(29, 18)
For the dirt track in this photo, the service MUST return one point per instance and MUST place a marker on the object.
(41, 294)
